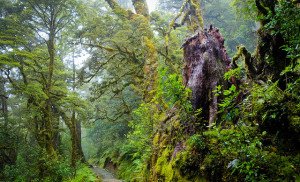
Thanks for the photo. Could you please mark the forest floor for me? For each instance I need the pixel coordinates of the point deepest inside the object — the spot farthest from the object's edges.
(105, 175)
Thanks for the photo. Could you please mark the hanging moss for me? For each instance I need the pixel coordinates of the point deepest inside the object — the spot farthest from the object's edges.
(197, 15)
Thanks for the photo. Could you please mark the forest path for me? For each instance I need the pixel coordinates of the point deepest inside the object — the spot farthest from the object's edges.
(105, 175)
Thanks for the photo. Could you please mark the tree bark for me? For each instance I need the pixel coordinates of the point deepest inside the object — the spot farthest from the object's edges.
(74, 126)
(48, 110)
(206, 61)
(3, 98)
(75, 129)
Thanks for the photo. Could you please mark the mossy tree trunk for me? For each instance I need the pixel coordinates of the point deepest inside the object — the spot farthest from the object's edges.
(75, 129)
(48, 121)
(74, 126)
(151, 59)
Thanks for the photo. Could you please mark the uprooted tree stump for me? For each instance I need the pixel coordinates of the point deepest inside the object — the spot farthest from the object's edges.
(206, 61)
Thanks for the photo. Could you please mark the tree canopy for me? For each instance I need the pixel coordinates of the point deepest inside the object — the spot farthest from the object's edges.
(192, 91)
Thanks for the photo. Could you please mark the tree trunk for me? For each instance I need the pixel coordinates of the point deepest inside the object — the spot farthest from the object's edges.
(48, 113)
(206, 61)
(75, 129)
(74, 126)
(49, 122)
(3, 99)
(56, 132)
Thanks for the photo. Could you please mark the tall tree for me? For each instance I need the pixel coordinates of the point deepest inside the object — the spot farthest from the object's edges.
(51, 18)
(47, 19)
(31, 44)
(70, 116)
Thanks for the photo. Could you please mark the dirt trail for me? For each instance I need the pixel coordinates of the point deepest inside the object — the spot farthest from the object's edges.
(105, 175)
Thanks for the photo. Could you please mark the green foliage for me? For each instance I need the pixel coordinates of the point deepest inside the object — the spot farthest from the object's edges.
(83, 173)
(171, 91)
(286, 22)
(168, 46)
(131, 171)
(34, 164)
(196, 141)
(246, 9)
(113, 115)
(164, 166)
(160, 137)
(142, 124)
(227, 15)
(228, 107)
(36, 88)
(260, 144)
(239, 153)
(262, 99)
(236, 73)
(235, 19)
(257, 142)
(274, 108)
(135, 154)
(22, 170)
(138, 148)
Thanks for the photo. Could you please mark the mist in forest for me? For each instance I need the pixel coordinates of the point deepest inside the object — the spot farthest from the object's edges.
(149, 90)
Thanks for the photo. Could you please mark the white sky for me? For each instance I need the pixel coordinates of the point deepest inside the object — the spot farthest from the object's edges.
(152, 4)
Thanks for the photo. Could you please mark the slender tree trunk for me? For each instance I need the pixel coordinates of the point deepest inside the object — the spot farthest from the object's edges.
(48, 119)
(3, 98)
(49, 108)
(75, 129)
(56, 133)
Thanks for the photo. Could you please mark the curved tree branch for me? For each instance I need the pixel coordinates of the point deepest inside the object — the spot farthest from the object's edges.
(118, 10)
(141, 7)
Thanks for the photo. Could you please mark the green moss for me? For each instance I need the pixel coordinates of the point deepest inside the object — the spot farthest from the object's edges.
(188, 164)
(184, 166)
(196, 5)
(163, 141)
(167, 168)
(156, 139)
(162, 160)
(168, 172)
(176, 124)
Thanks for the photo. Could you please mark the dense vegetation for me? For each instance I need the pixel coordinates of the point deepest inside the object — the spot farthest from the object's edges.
(100, 82)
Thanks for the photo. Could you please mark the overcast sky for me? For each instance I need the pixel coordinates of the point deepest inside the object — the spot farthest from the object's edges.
(151, 4)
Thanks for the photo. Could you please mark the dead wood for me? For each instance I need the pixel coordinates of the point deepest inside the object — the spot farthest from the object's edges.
(206, 61)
